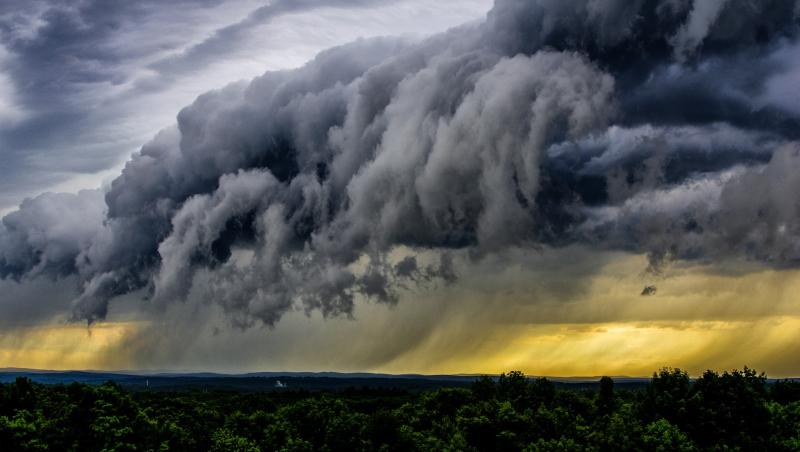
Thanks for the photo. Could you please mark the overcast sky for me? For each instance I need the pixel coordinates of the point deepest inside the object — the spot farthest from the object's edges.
(563, 187)
(83, 84)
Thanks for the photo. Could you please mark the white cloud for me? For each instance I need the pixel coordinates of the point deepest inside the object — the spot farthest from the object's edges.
(10, 113)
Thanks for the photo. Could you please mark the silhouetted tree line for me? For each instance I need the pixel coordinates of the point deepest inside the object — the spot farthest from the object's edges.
(730, 411)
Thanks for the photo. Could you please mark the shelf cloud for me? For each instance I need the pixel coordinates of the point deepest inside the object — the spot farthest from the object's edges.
(656, 127)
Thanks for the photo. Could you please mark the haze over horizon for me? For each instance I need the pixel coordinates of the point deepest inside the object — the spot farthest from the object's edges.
(568, 188)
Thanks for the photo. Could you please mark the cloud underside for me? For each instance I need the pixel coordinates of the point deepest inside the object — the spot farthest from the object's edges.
(654, 127)
(561, 312)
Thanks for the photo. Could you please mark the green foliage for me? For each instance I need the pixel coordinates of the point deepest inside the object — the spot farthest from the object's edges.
(223, 440)
(661, 436)
(735, 410)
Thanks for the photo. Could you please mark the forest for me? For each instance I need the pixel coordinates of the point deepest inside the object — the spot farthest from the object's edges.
(737, 410)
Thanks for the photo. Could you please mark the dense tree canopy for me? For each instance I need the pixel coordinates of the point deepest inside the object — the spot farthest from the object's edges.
(736, 410)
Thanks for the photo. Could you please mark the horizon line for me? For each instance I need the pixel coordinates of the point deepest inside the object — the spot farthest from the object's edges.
(365, 374)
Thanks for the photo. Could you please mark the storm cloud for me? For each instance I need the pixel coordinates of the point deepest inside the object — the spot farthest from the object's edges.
(655, 127)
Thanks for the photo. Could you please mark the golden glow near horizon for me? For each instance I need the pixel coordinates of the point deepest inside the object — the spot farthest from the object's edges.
(520, 317)
(639, 349)
(63, 346)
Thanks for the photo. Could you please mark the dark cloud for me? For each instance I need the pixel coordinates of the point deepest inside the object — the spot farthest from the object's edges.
(632, 125)
(47, 233)
(744, 212)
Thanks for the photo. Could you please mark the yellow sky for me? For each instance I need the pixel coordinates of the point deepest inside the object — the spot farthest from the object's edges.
(534, 316)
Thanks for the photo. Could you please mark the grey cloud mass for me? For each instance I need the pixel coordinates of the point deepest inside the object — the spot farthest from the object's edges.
(645, 126)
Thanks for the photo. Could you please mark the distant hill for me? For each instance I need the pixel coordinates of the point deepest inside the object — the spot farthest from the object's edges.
(279, 381)
(270, 381)
(262, 381)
